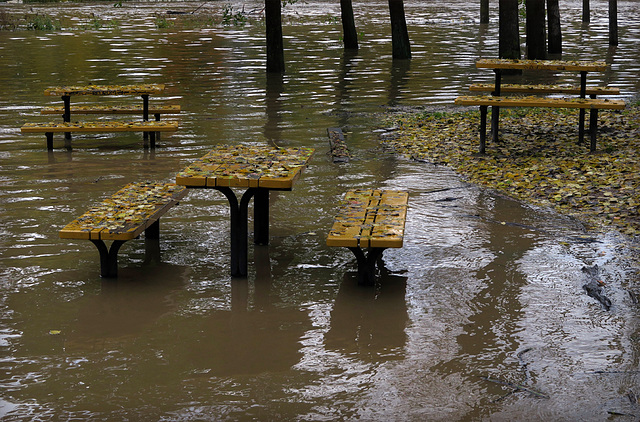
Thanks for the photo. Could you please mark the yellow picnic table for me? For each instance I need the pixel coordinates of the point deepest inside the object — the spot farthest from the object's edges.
(498, 65)
(144, 90)
(259, 169)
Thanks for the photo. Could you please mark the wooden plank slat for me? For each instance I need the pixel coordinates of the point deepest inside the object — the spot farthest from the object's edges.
(128, 109)
(104, 89)
(125, 214)
(370, 218)
(560, 65)
(101, 126)
(586, 103)
(545, 89)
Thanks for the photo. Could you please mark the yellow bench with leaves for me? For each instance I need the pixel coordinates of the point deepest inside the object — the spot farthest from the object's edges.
(50, 128)
(156, 110)
(592, 91)
(135, 208)
(372, 219)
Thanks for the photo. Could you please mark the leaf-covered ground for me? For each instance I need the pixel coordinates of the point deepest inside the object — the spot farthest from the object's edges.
(539, 160)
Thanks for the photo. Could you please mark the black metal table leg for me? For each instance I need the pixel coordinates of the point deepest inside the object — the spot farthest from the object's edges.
(483, 129)
(593, 128)
(367, 264)
(108, 257)
(495, 110)
(239, 229)
(581, 118)
(261, 217)
(145, 117)
(66, 115)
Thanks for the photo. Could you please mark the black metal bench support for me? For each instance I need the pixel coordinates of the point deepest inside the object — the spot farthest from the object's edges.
(109, 255)
(367, 264)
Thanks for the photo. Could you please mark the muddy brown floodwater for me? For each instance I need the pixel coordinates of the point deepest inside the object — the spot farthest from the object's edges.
(480, 316)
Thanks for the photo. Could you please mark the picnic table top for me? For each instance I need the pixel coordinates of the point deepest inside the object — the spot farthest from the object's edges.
(125, 214)
(68, 90)
(370, 218)
(246, 166)
(568, 65)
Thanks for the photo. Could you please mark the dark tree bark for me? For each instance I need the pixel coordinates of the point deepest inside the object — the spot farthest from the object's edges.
(399, 34)
(484, 11)
(348, 25)
(613, 22)
(275, 46)
(536, 39)
(586, 11)
(555, 31)
(509, 35)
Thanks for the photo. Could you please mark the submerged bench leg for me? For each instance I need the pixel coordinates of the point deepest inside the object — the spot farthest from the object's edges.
(152, 243)
(49, 136)
(108, 257)
(367, 264)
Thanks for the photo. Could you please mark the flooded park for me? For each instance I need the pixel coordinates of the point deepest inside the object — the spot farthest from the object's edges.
(481, 315)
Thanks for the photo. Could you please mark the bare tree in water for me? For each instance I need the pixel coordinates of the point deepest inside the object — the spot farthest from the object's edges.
(275, 46)
(509, 35)
(586, 11)
(484, 11)
(399, 34)
(555, 32)
(535, 28)
(350, 34)
(613, 22)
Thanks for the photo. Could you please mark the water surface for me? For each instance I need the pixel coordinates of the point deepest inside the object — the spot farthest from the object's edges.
(485, 289)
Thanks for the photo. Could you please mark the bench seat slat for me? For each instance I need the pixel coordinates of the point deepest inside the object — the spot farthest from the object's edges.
(100, 126)
(370, 218)
(125, 214)
(546, 89)
(128, 109)
(586, 103)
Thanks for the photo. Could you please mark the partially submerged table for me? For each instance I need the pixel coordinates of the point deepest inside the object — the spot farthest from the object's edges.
(67, 91)
(499, 65)
(258, 169)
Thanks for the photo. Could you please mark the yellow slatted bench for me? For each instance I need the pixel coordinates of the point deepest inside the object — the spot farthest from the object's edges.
(372, 219)
(593, 91)
(99, 126)
(156, 110)
(532, 101)
(135, 208)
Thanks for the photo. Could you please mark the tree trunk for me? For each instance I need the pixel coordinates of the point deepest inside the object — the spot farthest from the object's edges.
(555, 31)
(275, 46)
(586, 11)
(399, 34)
(348, 25)
(613, 22)
(508, 35)
(536, 39)
(484, 11)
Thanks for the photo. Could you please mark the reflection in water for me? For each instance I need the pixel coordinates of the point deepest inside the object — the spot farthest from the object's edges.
(399, 80)
(487, 344)
(274, 109)
(369, 323)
